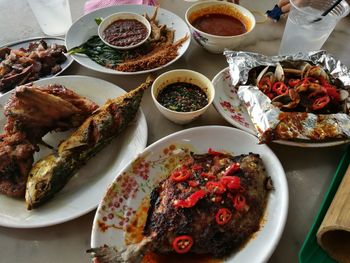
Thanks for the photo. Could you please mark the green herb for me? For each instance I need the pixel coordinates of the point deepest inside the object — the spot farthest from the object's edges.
(101, 53)
(98, 20)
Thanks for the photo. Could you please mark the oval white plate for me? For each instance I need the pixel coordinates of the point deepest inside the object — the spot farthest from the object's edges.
(85, 27)
(231, 108)
(49, 40)
(83, 192)
(135, 182)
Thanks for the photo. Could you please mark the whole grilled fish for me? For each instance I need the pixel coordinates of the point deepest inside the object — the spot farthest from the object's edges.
(50, 174)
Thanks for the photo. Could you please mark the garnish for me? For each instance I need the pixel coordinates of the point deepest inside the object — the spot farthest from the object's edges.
(182, 244)
(223, 216)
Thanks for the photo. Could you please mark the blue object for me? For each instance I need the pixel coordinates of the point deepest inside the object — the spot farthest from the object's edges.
(275, 13)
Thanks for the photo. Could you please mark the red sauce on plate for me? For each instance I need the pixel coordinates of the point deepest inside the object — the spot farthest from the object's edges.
(219, 24)
(125, 32)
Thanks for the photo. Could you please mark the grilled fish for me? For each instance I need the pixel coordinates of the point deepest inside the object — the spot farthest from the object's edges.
(210, 204)
(49, 175)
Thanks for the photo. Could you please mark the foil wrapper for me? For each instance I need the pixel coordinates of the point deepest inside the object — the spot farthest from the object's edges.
(273, 124)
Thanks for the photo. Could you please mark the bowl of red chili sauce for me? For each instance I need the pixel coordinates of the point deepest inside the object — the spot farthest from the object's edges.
(182, 95)
(124, 30)
(218, 25)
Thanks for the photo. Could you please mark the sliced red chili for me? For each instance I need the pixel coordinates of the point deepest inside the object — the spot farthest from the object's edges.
(212, 152)
(223, 216)
(193, 183)
(208, 175)
(232, 169)
(197, 167)
(180, 174)
(320, 103)
(294, 82)
(239, 202)
(265, 84)
(333, 93)
(182, 244)
(280, 88)
(231, 182)
(215, 187)
(191, 200)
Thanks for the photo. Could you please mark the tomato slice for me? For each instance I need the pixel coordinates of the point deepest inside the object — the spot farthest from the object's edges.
(180, 175)
(239, 202)
(320, 103)
(280, 88)
(223, 216)
(182, 244)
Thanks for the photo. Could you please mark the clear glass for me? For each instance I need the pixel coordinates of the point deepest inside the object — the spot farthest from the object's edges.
(53, 16)
(302, 33)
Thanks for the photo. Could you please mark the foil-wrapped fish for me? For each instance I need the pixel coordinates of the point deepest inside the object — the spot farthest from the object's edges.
(50, 174)
(296, 97)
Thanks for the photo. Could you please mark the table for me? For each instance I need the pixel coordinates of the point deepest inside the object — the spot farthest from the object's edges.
(309, 170)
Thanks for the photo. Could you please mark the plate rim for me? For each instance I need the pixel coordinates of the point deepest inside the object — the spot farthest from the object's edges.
(284, 193)
(127, 73)
(282, 142)
(86, 211)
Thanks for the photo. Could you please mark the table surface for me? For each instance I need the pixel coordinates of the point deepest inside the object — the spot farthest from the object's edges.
(308, 170)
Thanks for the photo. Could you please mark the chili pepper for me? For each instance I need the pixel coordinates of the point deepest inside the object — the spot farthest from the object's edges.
(333, 93)
(265, 84)
(182, 244)
(215, 187)
(191, 200)
(223, 216)
(212, 152)
(320, 103)
(239, 202)
(197, 167)
(232, 169)
(317, 93)
(270, 95)
(193, 183)
(180, 175)
(231, 182)
(208, 175)
(280, 88)
(294, 82)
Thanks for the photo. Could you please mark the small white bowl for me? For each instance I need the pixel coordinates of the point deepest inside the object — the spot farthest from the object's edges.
(214, 43)
(123, 15)
(187, 76)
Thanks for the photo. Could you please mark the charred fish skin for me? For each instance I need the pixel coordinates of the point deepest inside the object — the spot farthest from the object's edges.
(50, 175)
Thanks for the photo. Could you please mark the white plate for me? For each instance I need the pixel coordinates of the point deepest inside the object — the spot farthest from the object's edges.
(232, 109)
(85, 27)
(49, 40)
(125, 194)
(83, 191)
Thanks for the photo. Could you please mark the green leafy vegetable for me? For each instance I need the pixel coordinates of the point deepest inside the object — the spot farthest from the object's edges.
(98, 20)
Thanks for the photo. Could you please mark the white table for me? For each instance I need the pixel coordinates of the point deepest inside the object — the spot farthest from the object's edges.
(309, 170)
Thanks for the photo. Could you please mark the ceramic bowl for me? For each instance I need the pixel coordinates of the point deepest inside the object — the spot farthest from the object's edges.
(182, 75)
(123, 15)
(214, 43)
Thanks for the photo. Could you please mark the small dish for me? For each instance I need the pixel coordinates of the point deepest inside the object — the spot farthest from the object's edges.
(128, 22)
(182, 76)
(216, 43)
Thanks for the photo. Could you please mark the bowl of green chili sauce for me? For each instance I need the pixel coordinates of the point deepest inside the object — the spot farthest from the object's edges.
(182, 95)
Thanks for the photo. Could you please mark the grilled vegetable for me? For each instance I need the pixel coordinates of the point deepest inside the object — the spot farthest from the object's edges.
(49, 175)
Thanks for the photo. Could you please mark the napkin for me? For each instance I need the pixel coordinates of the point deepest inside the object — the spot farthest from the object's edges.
(92, 5)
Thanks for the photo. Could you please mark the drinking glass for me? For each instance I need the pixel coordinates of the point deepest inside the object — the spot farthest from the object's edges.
(53, 16)
(304, 30)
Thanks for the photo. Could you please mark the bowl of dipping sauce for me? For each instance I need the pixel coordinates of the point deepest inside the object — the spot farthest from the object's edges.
(218, 25)
(182, 95)
(124, 30)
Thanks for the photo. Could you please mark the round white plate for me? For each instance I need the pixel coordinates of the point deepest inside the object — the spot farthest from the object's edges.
(139, 177)
(85, 27)
(49, 40)
(233, 110)
(83, 192)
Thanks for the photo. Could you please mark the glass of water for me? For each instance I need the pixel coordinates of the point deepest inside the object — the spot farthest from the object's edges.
(53, 16)
(304, 30)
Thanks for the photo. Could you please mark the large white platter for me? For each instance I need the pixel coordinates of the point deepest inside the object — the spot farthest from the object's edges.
(230, 107)
(85, 27)
(83, 192)
(122, 199)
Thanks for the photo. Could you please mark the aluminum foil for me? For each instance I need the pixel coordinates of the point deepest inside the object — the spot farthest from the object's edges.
(272, 123)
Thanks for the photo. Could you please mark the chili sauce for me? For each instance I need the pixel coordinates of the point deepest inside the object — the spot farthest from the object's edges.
(182, 97)
(125, 32)
(219, 24)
